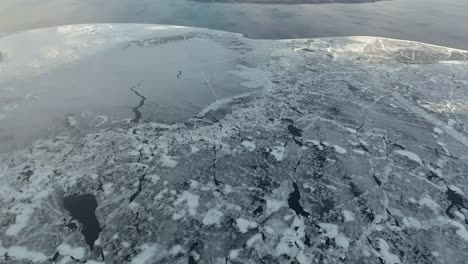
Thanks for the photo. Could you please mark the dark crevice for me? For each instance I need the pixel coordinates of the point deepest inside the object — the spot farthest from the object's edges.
(294, 201)
(136, 109)
(140, 187)
(307, 241)
(296, 110)
(297, 165)
(217, 183)
(55, 257)
(379, 182)
(82, 208)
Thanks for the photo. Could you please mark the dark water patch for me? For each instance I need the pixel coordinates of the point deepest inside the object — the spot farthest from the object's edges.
(82, 208)
(456, 200)
(258, 211)
(352, 88)
(294, 201)
(355, 189)
(289, 120)
(433, 177)
(26, 174)
(307, 241)
(297, 132)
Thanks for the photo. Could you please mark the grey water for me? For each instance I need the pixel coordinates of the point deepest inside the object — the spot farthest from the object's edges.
(441, 22)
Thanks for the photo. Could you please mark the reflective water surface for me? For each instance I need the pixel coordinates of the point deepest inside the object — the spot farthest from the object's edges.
(431, 21)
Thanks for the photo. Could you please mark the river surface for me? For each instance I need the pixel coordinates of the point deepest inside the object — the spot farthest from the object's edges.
(442, 22)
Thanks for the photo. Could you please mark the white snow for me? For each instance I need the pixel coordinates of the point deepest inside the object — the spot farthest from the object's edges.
(438, 130)
(387, 256)
(23, 253)
(412, 222)
(154, 178)
(339, 149)
(160, 194)
(74, 252)
(410, 155)
(331, 231)
(21, 220)
(359, 151)
(291, 242)
(427, 201)
(176, 250)
(253, 239)
(274, 205)
(456, 189)
(212, 217)
(233, 254)
(149, 254)
(342, 241)
(101, 119)
(71, 120)
(108, 188)
(190, 199)
(278, 152)
(348, 216)
(249, 145)
(244, 225)
(461, 229)
(168, 161)
(227, 189)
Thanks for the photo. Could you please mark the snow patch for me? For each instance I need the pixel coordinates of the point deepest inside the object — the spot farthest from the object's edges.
(331, 231)
(233, 254)
(348, 216)
(278, 152)
(253, 239)
(385, 253)
(22, 253)
(410, 155)
(21, 220)
(190, 199)
(249, 145)
(291, 242)
(74, 252)
(359, 151)
(428, 202)
(149, 254)
(212, 217)
(244, 225)
(339, 149)
(176, 250)
(168, 161)
(274, 205)
(438, 130)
